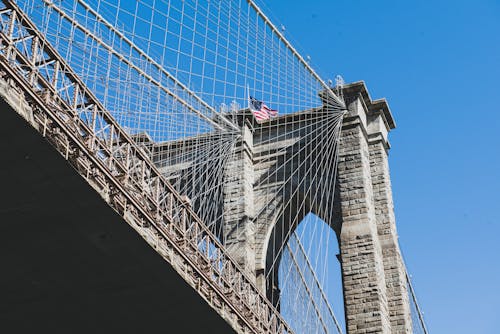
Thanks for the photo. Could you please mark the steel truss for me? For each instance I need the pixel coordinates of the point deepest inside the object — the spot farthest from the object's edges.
(72, 119)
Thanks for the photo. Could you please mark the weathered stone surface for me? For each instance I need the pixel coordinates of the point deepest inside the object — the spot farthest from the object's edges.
(361, 254)
(239, 228)
(268, 190)
(364, 152)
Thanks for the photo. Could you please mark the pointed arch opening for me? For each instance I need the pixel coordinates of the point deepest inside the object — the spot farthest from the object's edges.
(303, 275)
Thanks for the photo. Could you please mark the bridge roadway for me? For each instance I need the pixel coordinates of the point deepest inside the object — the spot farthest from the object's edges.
(69, 264)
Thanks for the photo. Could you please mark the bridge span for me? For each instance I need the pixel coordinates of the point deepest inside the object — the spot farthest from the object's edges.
(78, 273)
(131, 204)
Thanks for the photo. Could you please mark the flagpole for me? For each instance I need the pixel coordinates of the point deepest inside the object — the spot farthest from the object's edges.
(248, 96)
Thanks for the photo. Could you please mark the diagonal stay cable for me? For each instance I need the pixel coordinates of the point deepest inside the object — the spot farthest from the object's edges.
(316, 281)
(64, 15)
(337, 100)
(308, 290)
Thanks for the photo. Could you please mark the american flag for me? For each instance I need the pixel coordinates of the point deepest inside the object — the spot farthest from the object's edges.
(260, 111)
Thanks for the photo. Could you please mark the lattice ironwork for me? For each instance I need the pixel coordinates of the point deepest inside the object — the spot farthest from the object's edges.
(173, 148)
(82, 130)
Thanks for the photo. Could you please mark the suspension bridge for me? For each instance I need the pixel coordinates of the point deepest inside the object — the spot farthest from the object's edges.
(180, 161)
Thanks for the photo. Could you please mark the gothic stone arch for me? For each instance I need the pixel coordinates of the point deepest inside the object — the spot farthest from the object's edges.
(375, 293)
(374, 284)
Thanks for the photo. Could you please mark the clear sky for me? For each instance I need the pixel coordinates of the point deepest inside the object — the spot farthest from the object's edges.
(438, 64)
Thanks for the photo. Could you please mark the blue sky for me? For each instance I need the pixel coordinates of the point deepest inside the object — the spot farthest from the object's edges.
(438, 64)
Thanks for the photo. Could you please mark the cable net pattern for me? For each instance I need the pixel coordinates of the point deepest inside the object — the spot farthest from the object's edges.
(297, 271)
(165, 67)
(177, 76)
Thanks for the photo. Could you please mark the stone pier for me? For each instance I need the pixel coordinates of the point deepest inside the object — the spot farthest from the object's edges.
(257, 209)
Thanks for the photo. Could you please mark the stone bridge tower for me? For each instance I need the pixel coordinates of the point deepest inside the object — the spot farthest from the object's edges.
(373, 274)
(375, 290)
(256, 210)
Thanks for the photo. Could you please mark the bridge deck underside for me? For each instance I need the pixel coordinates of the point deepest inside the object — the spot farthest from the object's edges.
(69, 263)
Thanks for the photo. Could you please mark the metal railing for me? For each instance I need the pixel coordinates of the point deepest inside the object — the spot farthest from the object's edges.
(72, 119)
